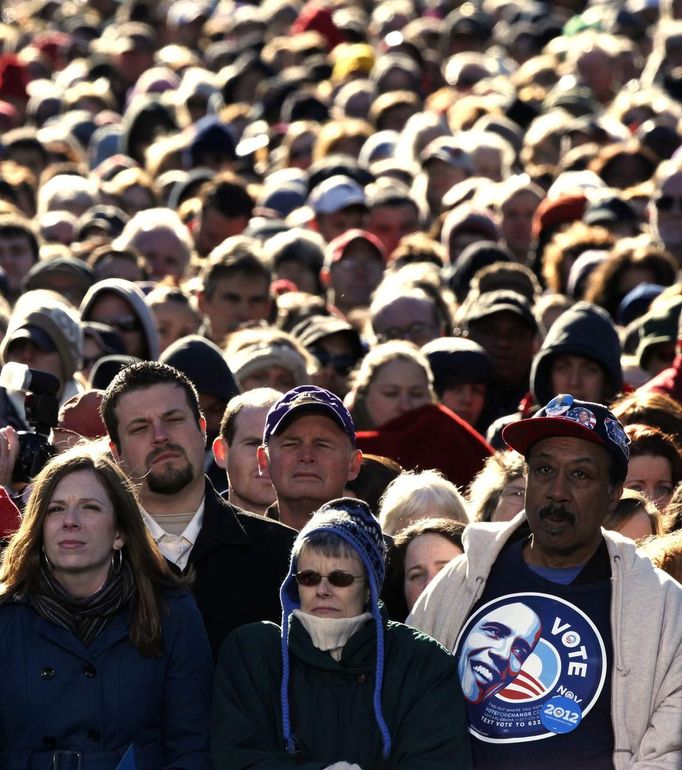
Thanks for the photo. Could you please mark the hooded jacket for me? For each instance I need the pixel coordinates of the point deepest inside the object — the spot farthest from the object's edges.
(132, 294)
(646, 617)
(583, 330)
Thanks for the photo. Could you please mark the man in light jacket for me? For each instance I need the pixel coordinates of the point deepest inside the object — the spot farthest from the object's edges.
(568, 641)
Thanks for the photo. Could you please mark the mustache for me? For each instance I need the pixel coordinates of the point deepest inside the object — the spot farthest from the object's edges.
(162, 450)
(557, 512)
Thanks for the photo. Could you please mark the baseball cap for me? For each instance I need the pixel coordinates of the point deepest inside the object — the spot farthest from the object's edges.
(444, 148)
(501, 301)
(567, 416)
(336, 193)
(336, 249)
(306, 399)
(39, 337)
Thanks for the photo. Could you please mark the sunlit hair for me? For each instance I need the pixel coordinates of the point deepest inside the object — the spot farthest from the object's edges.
(631, 503)
(413, 496)
(665, 552)
(486, 489)
(20, 564)
(385, 353)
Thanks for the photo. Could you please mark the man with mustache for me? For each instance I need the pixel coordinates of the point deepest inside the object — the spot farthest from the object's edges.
(158, 433)
(550, 614)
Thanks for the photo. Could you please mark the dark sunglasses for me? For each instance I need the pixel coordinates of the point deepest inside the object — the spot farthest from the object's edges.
(338, 577)
(125, 324)
(666, 202)
(340, 364)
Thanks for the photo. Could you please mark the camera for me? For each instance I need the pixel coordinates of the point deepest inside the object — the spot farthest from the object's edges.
(42, 408)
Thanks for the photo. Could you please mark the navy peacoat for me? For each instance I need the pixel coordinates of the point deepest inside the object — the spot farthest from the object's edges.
(59, 696)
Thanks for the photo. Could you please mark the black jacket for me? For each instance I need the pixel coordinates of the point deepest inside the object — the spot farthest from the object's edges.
(239, 562)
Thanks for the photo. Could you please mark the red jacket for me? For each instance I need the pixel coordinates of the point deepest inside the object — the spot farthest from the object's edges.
(668, 382)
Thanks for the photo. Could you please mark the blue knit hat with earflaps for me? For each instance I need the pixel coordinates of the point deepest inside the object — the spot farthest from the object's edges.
(352, 521)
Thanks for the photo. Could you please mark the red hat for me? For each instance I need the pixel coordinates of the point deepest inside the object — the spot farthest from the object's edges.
(14, 77)
(316, 17)
(337, 248)
(558, 211)
(81, 415)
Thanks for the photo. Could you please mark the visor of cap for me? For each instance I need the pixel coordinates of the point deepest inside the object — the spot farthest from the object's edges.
(40, 338)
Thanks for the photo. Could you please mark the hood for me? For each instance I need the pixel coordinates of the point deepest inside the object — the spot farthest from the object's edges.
(133, 295)
(583, 330)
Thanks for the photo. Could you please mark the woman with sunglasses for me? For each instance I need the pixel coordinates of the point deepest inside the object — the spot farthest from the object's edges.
(338, 687)
(103, 653)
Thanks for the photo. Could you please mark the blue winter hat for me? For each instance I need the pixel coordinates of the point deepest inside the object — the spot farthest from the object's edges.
(353, 522)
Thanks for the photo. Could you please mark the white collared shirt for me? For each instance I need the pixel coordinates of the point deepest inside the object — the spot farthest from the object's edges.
(176, 548)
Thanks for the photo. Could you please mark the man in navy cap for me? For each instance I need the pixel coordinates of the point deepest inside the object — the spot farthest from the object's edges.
(308, 452)
(571, 635)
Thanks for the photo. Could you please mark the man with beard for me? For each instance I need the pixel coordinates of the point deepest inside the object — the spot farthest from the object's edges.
(567, 640)
(158, 433)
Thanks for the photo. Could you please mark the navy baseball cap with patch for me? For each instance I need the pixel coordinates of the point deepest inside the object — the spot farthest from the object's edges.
(567, 416)
(307, 399)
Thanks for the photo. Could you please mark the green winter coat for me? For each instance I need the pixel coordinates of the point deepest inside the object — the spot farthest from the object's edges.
(332, 714)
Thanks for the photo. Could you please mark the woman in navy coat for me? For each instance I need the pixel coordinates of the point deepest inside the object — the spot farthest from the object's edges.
(103, 654)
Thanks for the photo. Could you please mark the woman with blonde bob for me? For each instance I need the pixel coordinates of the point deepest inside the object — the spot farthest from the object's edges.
(414, 496)
(104, 651)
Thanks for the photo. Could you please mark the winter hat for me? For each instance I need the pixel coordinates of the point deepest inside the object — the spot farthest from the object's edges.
(659, 326)
(81, 416)
(261, 355)
(456, 360)
(473, 258)
(60, 324)
(203, 362)
(353, 522)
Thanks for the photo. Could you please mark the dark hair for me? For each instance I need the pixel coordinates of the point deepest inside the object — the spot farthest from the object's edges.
(645, 441)
(655, 409)
(376, 473)
(139, 376)
(228, 195)
(20, 570)
(395, 575)
(603, 284)
(238, 255)
(14, 225)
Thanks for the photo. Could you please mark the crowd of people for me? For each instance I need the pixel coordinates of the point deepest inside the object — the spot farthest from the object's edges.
(341, 389)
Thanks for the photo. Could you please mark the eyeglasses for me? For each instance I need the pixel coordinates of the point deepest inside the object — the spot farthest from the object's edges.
(666, 202)
(415, 329)
(340, 364)
(338, 577)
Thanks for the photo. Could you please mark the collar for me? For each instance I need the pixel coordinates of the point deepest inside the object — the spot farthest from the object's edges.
(176, 548)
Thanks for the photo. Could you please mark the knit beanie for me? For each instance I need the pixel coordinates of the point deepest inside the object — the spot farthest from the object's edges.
(253, 358)
(353, 522)
(61, 325)
(203, 362)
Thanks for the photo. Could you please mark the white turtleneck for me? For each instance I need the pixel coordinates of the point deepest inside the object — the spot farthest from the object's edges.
(331, 634)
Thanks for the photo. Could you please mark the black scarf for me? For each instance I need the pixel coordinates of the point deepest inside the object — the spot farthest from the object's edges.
(84, 617)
